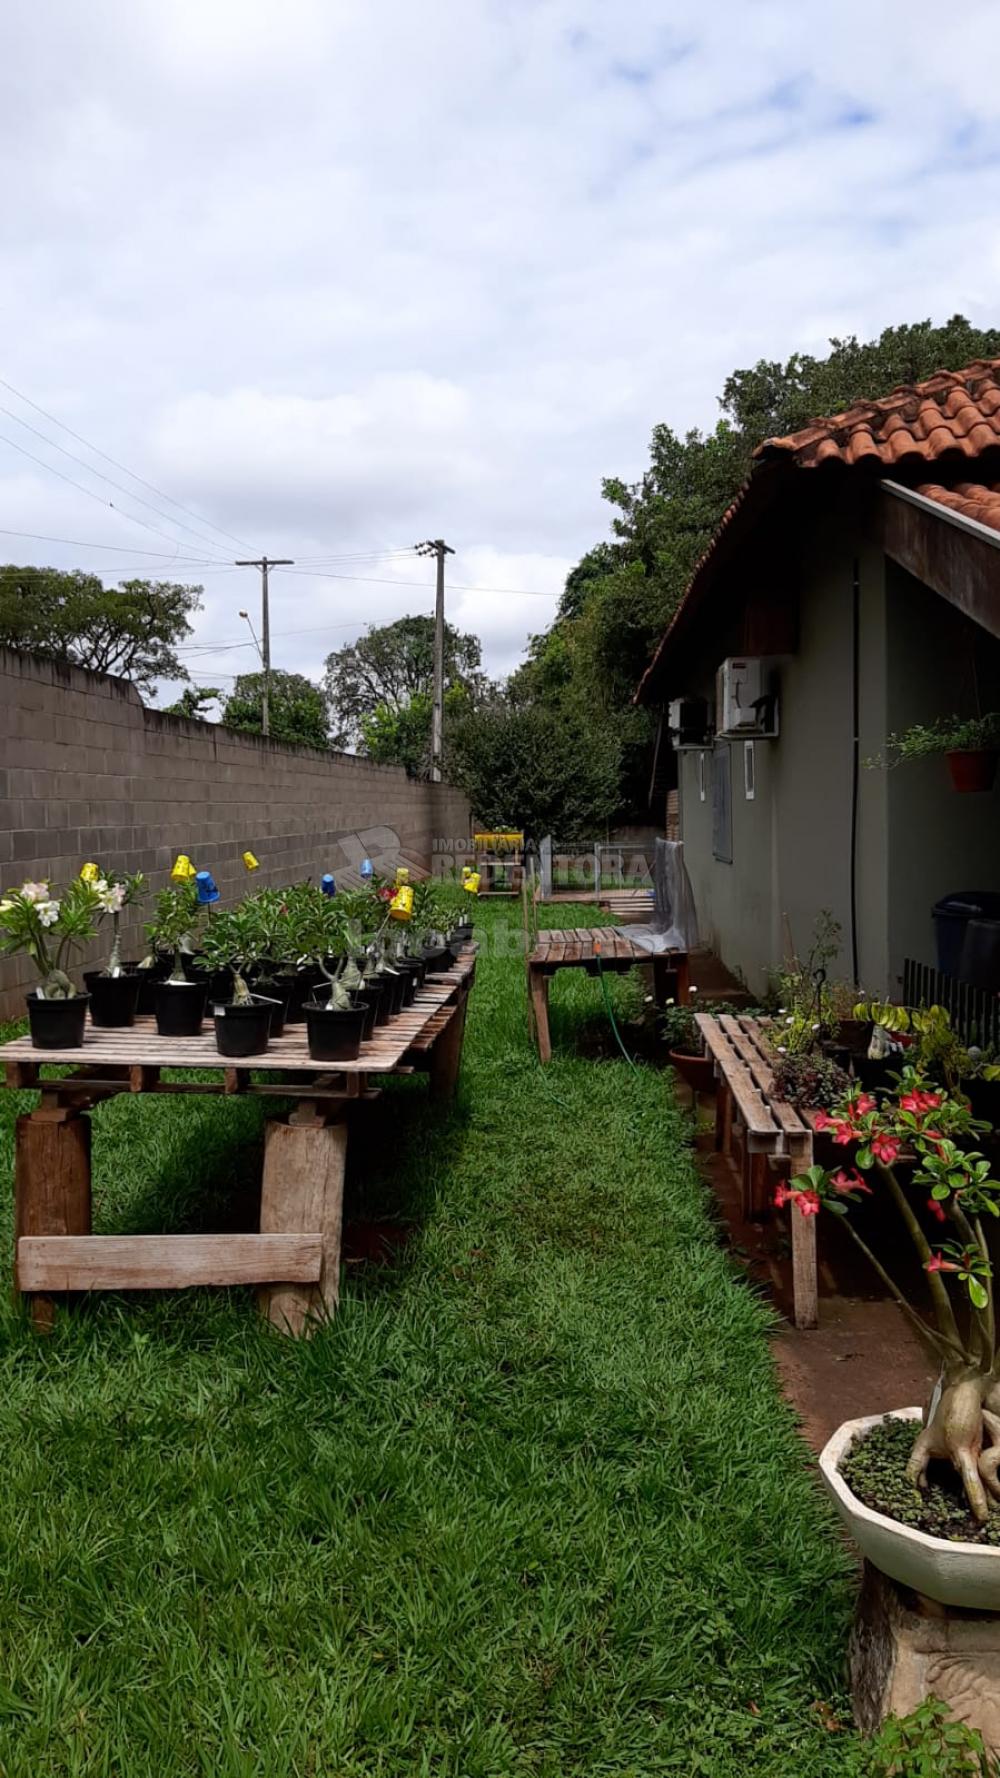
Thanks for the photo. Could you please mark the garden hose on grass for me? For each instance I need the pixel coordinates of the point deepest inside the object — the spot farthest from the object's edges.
(610, 1009)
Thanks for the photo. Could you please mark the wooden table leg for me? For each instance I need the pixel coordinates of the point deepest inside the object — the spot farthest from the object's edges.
(303, 1193)
(446, 1055)
(683, 969)
(51, 1185)
(538, 983)
(805, 1285)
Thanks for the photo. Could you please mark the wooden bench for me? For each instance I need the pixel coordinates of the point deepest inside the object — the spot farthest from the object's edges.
(595, 948)
(776, 1138)
(294, 1257)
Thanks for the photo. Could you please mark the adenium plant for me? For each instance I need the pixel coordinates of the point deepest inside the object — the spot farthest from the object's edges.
(943, 1199)
(114, 893)
(48, 928)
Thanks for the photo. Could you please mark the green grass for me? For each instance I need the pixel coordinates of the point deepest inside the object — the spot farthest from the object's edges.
(531, 1504)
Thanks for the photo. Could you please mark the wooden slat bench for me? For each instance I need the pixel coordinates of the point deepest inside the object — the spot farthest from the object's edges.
(594, 948)
(776, 1137)
(294, 1258)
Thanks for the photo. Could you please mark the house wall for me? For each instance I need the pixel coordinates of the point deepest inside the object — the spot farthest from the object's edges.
(791, 844)
(86, 772)
(940, 840)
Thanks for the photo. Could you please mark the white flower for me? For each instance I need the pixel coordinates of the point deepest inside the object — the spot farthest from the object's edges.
(34, 892)
(5, 907)
(814, 1027)
(790, 1019)
(692, 990)
(111, 896)
(48, 912)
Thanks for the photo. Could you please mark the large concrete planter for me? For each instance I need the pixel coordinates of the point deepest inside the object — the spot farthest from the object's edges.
(962, 1574)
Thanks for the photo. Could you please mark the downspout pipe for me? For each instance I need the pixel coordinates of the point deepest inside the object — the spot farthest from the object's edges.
(855, 756)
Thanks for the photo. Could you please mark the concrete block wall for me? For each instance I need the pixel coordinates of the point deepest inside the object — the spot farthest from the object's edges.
(87, 772)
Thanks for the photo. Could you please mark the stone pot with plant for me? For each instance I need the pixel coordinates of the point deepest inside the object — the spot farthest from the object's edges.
(970, 744)
(179, 1003)
(48, 928)
(114, 990)
(917, 1145)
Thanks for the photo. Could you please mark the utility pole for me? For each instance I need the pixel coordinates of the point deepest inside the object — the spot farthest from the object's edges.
(437, 547)
(265, 629)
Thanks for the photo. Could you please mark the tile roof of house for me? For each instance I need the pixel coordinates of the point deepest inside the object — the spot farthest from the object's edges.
(973, 500)
(952, 411)
(953, 414)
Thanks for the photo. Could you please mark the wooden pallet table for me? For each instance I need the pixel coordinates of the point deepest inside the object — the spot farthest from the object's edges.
(294, 1257)
(775, 1137)
(595, 948)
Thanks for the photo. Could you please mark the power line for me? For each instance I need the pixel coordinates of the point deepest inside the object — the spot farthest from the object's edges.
(101, 501)
(454, 586)
(206, 542)
(124, 549)
(116, 465)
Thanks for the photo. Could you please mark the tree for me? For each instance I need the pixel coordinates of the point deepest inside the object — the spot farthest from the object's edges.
(193, 701)
(296, 709)
(543, 771)
(390, 666)
(131, 630)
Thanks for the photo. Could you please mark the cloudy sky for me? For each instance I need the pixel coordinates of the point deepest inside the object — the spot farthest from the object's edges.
(338, 275)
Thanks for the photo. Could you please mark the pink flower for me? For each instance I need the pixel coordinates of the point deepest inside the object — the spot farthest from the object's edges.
(931, 1101)
(848, 1182)
(864, 1103)
(845, 1133)
(911, 1102)
(886, 1149)
(937, 1263)
(808, 1203)
(782, 1196)
(823, 1121)
(936, 1209)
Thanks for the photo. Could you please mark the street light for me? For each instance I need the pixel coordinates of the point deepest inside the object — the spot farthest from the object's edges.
(246, 616)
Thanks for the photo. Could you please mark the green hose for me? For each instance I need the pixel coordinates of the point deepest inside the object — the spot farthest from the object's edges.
(611, 1016)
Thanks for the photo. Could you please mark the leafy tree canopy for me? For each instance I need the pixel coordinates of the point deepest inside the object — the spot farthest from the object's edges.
(193, 701)
(389, 667)
(544, 771)
(297, 711)
(131, 630)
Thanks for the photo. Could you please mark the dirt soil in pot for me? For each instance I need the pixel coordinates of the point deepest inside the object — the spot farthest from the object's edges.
(875, 1470)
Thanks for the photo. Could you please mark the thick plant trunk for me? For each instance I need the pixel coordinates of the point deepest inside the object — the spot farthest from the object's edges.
(963, 1430)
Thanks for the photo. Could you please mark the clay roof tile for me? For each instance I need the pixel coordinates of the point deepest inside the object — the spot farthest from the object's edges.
(950, 411)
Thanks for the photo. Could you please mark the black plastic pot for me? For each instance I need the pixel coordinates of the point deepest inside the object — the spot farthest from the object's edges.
(113, 998)
(217, 982)
(333, 1036)
(462, 933)
(149, 981)
(57, 1024)
(396, 989)
(370, 995)
(180, 1008)
(438, 958)
(306, 980)
(412, 975)
(243, 1030)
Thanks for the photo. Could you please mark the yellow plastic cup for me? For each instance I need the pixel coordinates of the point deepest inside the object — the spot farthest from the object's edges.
(183, 869)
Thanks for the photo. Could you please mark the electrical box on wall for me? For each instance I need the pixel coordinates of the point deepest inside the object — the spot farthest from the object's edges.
(687, 720)
(746, 697)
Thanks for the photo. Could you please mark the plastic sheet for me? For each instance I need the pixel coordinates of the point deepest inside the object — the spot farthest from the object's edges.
(674, 926)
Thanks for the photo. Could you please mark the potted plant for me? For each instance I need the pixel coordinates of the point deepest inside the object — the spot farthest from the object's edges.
(179, 1003)
(970, 744)
(49, 928)
(686, 1048)
(231, 943)
(114, 990)
(928, 1518)
(810, 1080)
(335, 1016)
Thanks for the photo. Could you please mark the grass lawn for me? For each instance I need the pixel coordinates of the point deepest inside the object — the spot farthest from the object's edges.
(530, 1505)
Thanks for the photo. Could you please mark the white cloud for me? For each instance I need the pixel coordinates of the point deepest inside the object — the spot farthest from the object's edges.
(341, 277)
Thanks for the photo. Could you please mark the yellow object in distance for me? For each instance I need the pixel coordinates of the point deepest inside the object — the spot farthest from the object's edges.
(91, 873)
(471, 883)
(401, 905)
(250, 861)
(183, 869)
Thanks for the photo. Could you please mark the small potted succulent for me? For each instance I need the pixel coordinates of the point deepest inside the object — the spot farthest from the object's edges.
(179, 1003)
(231, 943)
(929, 1515)
(114, 990)
(49, 928)
(335, 1017)
(970, 744)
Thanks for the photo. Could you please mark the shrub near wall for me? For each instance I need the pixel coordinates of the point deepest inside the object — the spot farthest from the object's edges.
(86, 771)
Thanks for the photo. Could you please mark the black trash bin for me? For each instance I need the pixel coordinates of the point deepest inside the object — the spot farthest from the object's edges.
(951, 917)
(980, 960)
